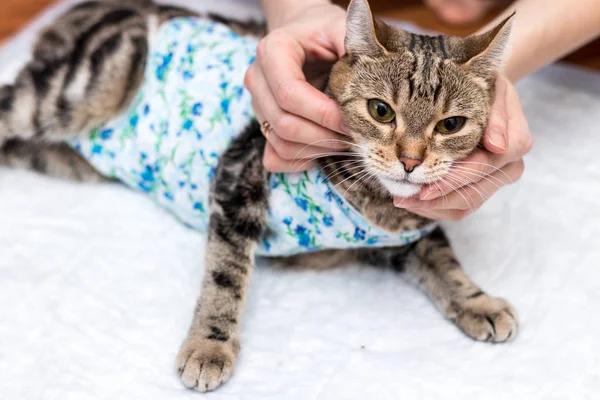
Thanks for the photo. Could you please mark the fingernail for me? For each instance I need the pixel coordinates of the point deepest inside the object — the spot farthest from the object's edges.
(404, 202)
(341, 148)
(430, 194)
(497, 138)
(336, 145)
(398, 202)
(344, 128)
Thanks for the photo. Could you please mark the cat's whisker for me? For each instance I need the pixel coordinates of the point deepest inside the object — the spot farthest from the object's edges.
(494, 168)
(483, 176)
(460, 184)
(471, 162)
(462, 181)
(350, 177)
(364, 173)
(330, 154)
(321, 155)
(457, 190)
(377, 159)
(327, 140)
(477, 174)
(345, 164)
(362, 178)
(364, 181)
(465, 183)
(370, 177)
(480, 174)
(444, 197)
(339, 170)
(337, 141)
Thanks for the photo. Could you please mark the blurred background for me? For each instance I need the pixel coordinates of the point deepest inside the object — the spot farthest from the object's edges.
(14, 14)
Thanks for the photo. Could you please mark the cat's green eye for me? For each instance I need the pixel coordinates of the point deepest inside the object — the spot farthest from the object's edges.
(381, 111)
(450, 125)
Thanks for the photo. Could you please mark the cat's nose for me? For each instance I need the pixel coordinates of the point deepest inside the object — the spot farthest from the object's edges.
(409, 164)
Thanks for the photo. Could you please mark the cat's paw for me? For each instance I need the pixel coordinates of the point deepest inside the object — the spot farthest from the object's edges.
(485, 318)
(205, 364)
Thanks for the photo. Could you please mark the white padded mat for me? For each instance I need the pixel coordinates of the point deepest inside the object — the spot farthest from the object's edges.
(97, 287)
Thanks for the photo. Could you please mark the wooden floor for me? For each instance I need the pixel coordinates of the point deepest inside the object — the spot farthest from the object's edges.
(16, 13)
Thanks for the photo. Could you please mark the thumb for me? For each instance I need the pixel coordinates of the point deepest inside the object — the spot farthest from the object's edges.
(495, 137)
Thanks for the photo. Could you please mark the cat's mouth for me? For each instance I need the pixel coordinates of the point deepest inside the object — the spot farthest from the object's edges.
(400, 187)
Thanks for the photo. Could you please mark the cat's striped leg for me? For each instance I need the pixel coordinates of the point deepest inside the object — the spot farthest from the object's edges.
(54, 159)
(239, 202)
(432, 264)
(84, 70)
(438, 272)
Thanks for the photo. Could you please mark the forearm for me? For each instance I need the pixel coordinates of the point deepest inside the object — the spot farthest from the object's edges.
(545, 31)
(276, 10)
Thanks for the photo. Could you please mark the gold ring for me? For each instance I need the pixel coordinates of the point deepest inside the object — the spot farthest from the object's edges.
(265, 127)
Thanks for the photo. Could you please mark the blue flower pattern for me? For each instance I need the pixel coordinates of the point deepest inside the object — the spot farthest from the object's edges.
(191, 105)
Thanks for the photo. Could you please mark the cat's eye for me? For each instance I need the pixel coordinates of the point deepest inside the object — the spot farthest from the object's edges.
(381, 111)
(450, 125)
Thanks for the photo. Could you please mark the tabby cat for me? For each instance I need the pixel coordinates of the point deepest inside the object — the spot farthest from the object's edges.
(413, 105)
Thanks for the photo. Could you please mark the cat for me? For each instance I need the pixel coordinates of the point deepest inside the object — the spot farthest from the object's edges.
(413, 105)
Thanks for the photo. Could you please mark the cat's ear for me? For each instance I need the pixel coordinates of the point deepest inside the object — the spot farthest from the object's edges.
(485, 54)
(361, 36)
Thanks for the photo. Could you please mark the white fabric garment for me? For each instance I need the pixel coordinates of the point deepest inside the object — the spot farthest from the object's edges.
(98, 284)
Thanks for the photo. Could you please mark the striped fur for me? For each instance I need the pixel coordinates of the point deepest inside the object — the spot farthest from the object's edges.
(88, 65)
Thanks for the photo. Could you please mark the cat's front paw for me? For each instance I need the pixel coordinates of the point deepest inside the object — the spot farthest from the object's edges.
(205, 364)
(485, 318)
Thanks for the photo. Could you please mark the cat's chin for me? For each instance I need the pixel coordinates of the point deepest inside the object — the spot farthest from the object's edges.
(400, 188)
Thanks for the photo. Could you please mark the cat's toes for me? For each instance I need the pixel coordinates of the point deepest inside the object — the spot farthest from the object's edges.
(486, 318)
(205, 364)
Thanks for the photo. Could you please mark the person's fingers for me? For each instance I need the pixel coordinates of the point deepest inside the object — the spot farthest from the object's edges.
(440, 215)
(291, 157)
(475, 168)
(281, 58)
(507, 131)
(291, 150)
(295, 129)
(467, 198)
(521, 139)
(461, 11)
(431, 214)
(273, 163)
(288, 126)
(495, 138)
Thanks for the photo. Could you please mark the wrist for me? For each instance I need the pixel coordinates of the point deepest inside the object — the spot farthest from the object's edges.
(277, 12)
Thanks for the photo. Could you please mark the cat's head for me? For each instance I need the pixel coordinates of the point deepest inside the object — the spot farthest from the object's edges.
(414, 104)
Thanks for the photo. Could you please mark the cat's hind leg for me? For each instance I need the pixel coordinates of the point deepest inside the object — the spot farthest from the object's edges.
(432, 264)
(54, 159)
(85, 69)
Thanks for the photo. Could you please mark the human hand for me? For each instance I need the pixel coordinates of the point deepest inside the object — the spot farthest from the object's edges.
(461, 12)
(471, 182)
(304, 121)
